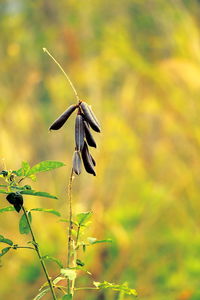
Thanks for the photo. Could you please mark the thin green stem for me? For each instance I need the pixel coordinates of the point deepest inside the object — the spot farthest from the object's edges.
(85, 288)
(70, 226)
(22, 247)
(37, 249)
(69, 80)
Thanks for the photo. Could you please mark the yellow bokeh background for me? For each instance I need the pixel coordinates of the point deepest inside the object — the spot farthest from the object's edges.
(138, 64)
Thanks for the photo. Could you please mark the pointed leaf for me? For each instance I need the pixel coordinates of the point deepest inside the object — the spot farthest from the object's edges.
(5, 240)
(94, 241)
(39, 194)
(82, 218)
(51, 258)
(48, 210)
(8, 208)
(23, 224)
(116, 287)
(42, 293)
(45, 166)
(4, 192)
(4, 251)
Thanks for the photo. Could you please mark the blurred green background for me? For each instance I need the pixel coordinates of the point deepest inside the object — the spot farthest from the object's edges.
(138, 64)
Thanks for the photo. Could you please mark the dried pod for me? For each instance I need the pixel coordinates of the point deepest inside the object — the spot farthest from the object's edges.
(77, 163)
(87, 161)
(79, 132)
(92, 113)
(16, 199)
(89, 117)
(90, 140)
(93, 161)
(63, 118)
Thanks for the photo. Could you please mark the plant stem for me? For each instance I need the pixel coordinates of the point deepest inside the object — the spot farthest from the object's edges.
(35, 244)
(69, 80)
(70, 226)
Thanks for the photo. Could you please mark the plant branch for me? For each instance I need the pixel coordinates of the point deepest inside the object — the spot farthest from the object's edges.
(69, 80)
(70, 225)
(39, 255)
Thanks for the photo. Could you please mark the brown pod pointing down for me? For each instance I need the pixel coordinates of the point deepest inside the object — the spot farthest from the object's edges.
(90, 140)
(77, 163)
(89, 117)
(87, 161)
(60, 121)
(79, 133)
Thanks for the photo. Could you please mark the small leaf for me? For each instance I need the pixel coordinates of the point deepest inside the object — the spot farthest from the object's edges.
(6, 241)
(4, 251)
(39, 194)
(48, 210)
(116, 287)
(45, 166)
(25, 168)
(82, 218)
(68, 273)
(42, 293)
(23, 224)
(57, 261)
(57, 279)
(8, 208)
(93, 241)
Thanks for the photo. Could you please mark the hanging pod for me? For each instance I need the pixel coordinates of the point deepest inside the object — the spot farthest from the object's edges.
(90, 140)
(90, 117)
(93, 161)
(16, 200)
(79, 132)
(77, 163)
(87, 161)
(60, 121)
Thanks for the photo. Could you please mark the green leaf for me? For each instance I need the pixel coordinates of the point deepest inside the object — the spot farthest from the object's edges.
(6, 241)
(8, 208)
(67, 297)
(57, 261)
(68, 273)
(82, 218)
(48, 210)
(45, 166)
(39, 194)
(23, 224)
(25, 167)
(4, 192)
(42, 293)
(116, 287)
(4, 251)
(94, 241)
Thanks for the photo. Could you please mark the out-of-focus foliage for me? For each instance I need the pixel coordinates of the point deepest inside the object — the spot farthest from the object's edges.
(138, 64)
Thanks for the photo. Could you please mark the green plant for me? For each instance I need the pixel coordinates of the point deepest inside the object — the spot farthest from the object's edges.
(77, 224)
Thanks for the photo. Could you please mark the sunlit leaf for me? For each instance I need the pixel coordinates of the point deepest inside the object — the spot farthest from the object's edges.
(57, 261)
(116, 287)
(82, 218)
(23, 224)
(93, 241)
(5, 240)
(42, 293)
(4, 192)
(48, 210)
(68, 273)
(45, 166)
(39, 194)
(8, 208)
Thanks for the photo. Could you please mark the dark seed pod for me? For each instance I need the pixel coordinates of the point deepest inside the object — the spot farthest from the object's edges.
(89, 117)
(77, 163)
(87, 161)
(63, 118)
(16, 199)
(79, 133)
(4, 173)
(93, 161)
(90, 140)
(92, 113)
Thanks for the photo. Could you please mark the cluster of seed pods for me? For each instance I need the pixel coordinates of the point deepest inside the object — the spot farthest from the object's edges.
(85, 120)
